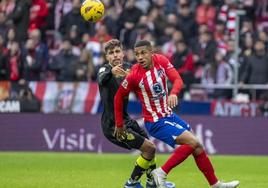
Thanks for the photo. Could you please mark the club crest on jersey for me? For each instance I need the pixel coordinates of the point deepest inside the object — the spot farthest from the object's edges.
(125, 84)
(157, 88)
(160, 72)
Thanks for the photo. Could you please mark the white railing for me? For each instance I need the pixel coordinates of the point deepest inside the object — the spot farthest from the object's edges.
(234, 87)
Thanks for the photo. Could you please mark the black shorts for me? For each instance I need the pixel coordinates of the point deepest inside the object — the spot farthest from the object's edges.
(135, 138)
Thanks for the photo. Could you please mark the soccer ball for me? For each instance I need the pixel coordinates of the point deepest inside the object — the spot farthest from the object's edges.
(92, 10)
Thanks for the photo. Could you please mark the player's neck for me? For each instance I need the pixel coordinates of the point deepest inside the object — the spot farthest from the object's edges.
(149, 66)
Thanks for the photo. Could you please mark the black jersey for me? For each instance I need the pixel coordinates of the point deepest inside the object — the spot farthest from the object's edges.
(108, 86)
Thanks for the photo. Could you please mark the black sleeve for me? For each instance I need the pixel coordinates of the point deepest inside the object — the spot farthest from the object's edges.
(104, 74)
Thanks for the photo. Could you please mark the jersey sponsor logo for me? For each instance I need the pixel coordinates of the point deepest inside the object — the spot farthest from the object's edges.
(158, 91)
(125, 84)
(157, 88)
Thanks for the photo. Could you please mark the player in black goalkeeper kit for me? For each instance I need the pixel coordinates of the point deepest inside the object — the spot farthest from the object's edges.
(110, 76)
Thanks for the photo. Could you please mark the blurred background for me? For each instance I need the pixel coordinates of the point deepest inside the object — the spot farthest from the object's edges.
(49, 59)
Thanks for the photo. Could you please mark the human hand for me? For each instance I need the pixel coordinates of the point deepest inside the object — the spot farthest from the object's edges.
(172, 100)
(120, 133)
(118, 71)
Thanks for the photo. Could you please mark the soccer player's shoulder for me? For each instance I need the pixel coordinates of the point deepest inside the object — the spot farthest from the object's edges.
(161, 59)
(135, 68)
(104, 68)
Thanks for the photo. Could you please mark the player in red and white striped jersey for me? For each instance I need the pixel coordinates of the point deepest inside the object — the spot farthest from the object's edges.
(148, 79)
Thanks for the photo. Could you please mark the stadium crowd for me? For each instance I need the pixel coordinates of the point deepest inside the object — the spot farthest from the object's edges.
(48, 40)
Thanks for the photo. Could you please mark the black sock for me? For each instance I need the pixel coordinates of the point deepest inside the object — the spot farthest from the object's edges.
(149, 170)
(140, 167)
(137, 172)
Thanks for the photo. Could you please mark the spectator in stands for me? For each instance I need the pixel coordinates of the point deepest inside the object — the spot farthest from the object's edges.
(33, 62)
(50, 25)
(144, 5)
(262, 35)
(73, 18)
(38, 50)
(256, 71)
(38, 15)
(219, 31)
(183, 62)
(112, 11)
(28, 102)
(3, 25)
(75, 39)
(20, 18)
(247, 51)
(186, 21)
(62, 7)
(127, 21)
(261, 13)
(169, 47)
(3, 60)
(205, 48)
(63, 63)
(206, 14)
(95, 44)
(7, 6)
(73, 35)
(157, 21)
(138, 34)
(247, 26)
(10, 37)
(230, 53)
(218, 72)
(14, 62)
(204, 51)
(84, 69)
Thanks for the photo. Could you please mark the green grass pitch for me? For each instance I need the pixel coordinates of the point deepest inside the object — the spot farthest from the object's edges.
(87, 170)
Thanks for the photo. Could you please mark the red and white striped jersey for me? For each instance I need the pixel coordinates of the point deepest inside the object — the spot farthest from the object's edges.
(151, 87)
